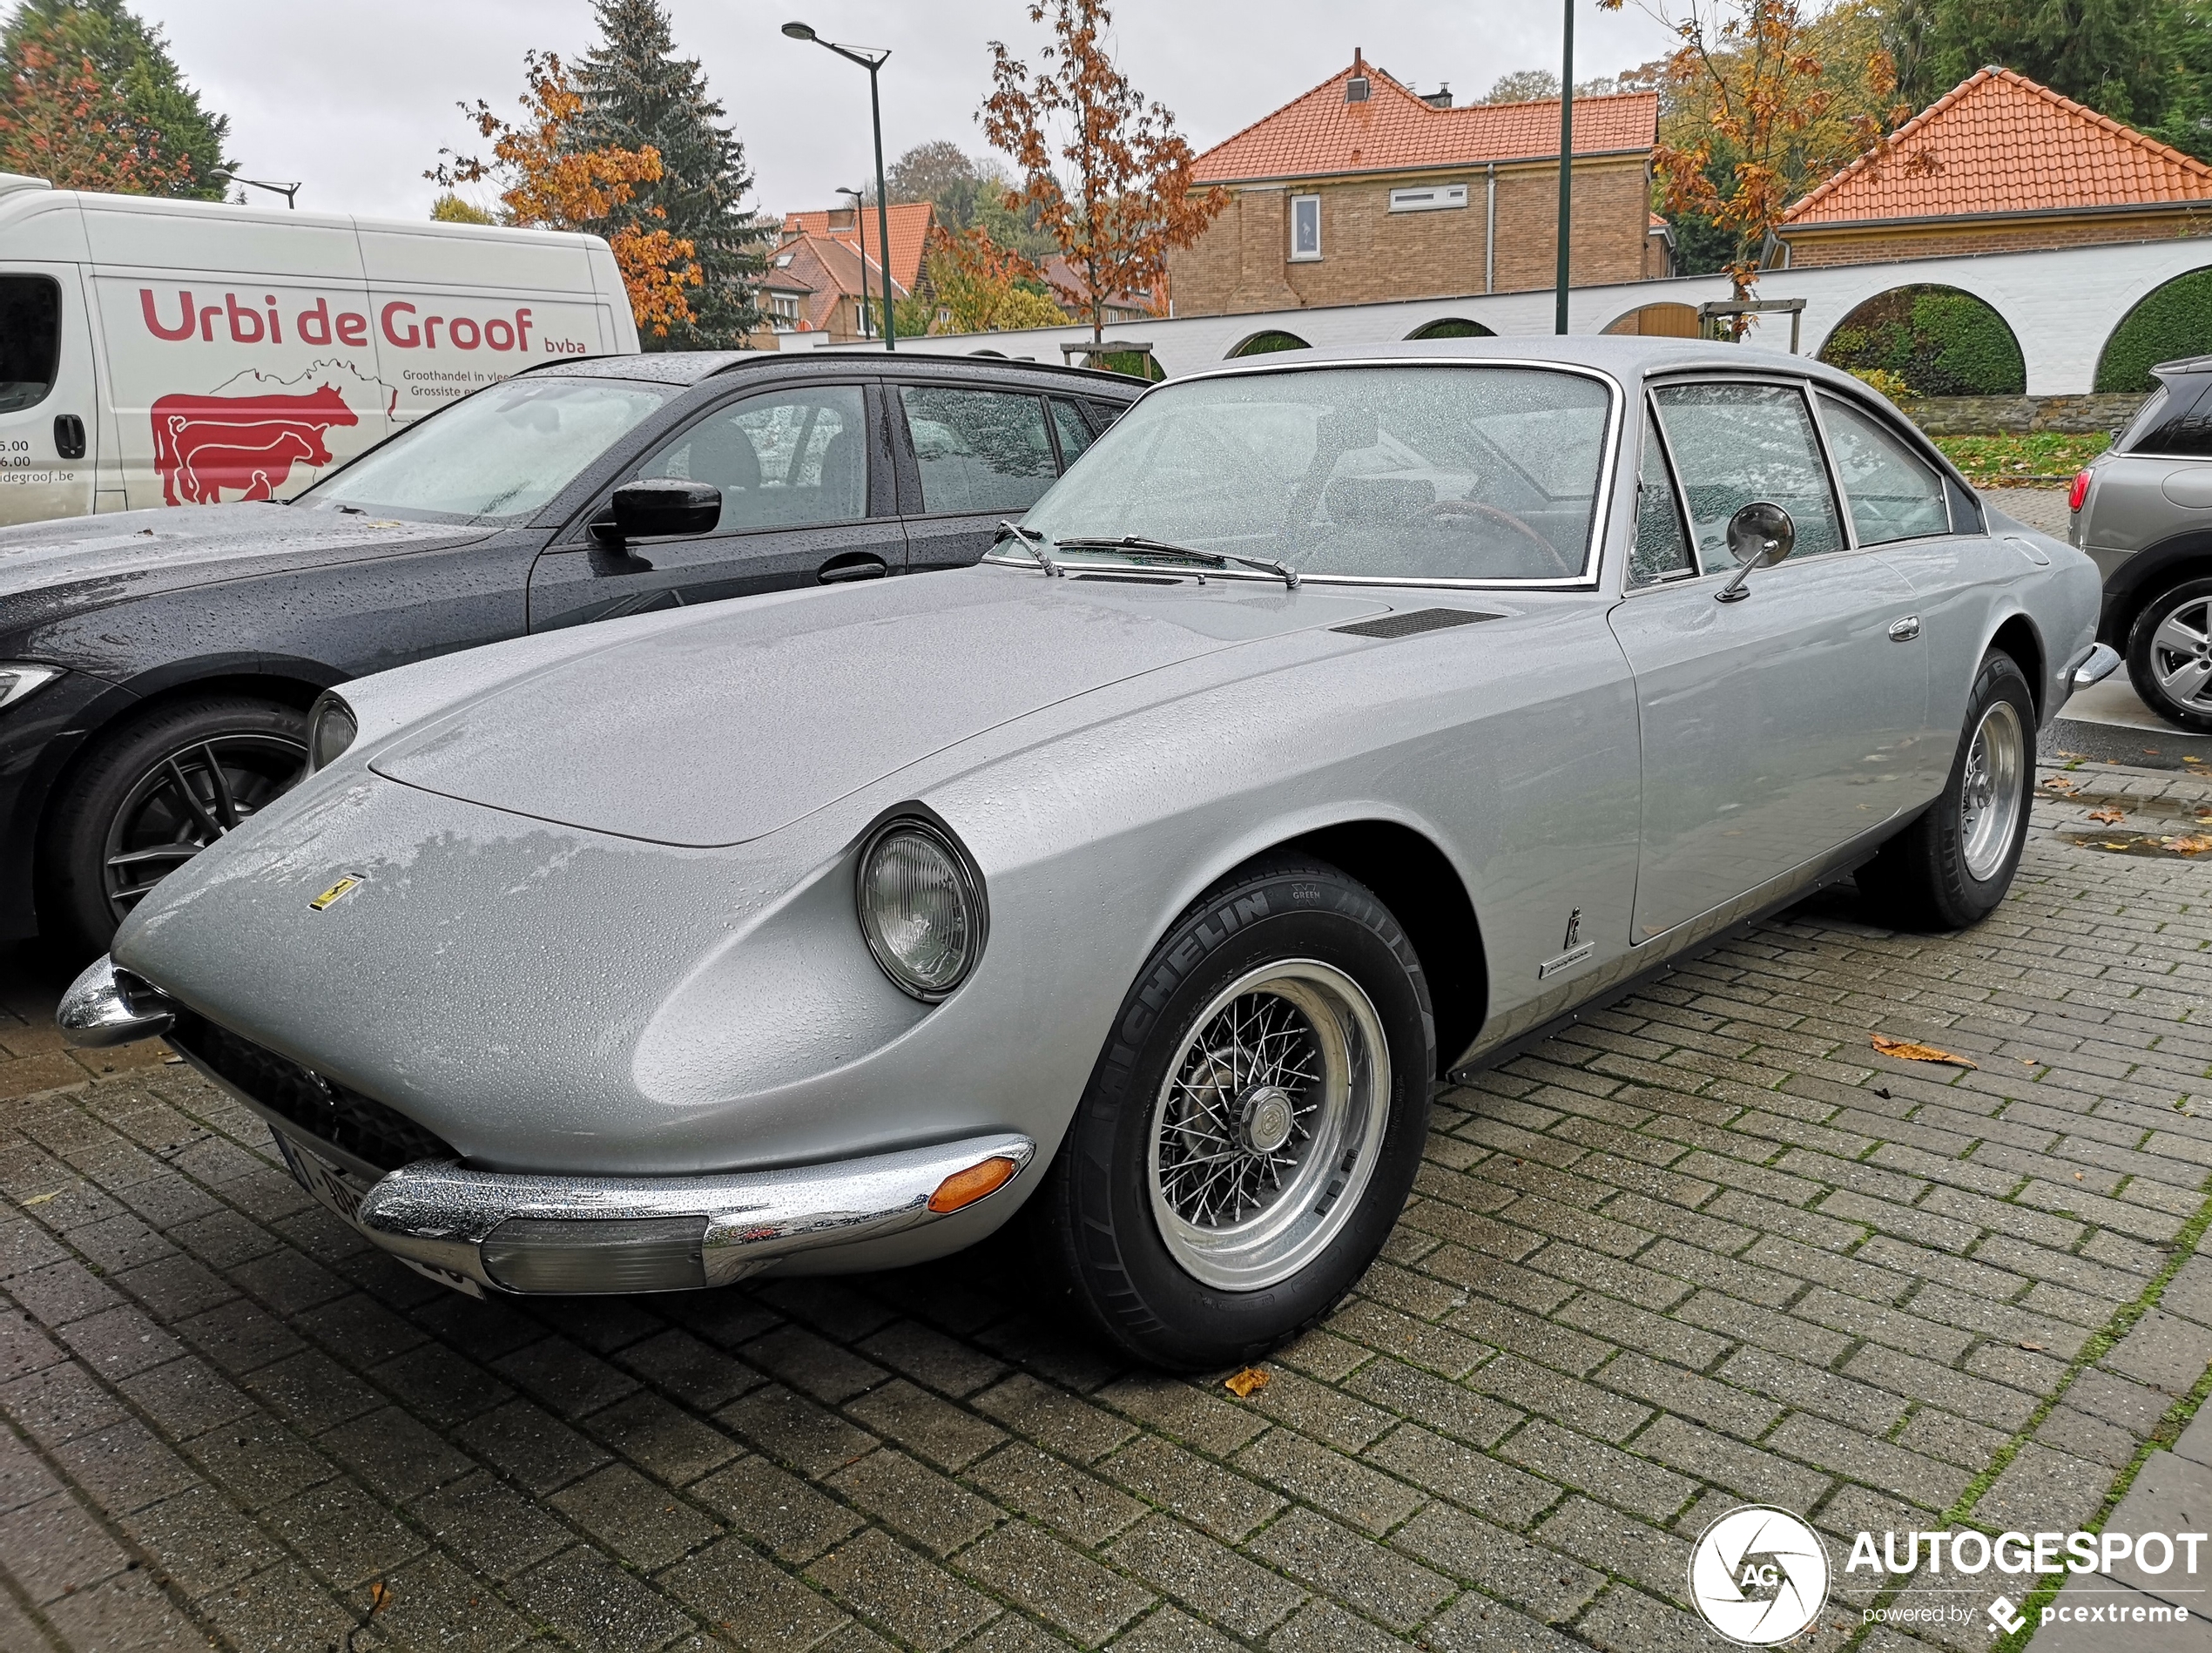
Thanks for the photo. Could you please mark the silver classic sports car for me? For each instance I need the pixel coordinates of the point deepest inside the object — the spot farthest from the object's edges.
(1336, 723)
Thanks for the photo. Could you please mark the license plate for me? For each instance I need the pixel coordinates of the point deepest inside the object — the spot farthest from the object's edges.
(339, 1191)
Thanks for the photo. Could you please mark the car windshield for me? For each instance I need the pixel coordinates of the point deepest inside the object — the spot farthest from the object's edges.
(1429, 472)
(496, 456)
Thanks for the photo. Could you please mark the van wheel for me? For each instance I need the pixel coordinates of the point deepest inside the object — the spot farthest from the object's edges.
(151, 795)
(1252, 1130)
(2170, 655)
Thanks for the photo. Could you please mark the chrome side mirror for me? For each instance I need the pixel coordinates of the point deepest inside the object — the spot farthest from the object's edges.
(1759, 535)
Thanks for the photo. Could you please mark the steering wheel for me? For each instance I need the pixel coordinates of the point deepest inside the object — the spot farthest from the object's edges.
(1445, 511)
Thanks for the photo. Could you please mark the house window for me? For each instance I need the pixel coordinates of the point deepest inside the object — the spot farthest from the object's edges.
(1306, 227)
(784, 312)
(1434, 197)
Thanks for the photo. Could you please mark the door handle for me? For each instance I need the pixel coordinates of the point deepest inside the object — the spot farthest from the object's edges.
(1906, 630)
(68, 435)
(854, 565)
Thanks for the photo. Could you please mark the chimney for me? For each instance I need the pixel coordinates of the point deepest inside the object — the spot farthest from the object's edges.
(1355, 89)
(1440, 98)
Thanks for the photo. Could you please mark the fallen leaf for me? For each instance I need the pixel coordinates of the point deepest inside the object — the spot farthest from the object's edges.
(40, 1199)
(2060, 783)
(1911, 1052)
(2035, 1348)
(2027, 1061)
(1245, 1384)
(1883, 1094)
(379, 1593)
(2107, 816)
(2188, 844)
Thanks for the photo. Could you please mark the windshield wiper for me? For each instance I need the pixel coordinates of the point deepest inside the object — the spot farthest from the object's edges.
(1035, 544)
(1282, 571)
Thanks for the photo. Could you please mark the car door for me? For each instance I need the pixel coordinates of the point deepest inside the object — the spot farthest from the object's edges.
(49, 423)
(807, 498)
(975, 456)
(1773, 729)
(1929, 529)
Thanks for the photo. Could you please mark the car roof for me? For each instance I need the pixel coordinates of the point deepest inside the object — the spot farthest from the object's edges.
(1628, 358)
(696, 367)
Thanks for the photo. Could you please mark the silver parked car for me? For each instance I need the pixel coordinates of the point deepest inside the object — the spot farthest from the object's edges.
(1336, 723)
(2143, 510)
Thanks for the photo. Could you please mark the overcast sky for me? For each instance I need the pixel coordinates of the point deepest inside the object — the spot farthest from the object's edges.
(356, 100)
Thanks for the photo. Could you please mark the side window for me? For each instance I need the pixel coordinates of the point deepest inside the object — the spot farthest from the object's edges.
(1737, 443)
(30, 340)
(1306, 228)
(1103, 413)
(1893, 492)
(2178, 421)
(979, 450)
(1075, 434)
(1663, 547)
(787, 459)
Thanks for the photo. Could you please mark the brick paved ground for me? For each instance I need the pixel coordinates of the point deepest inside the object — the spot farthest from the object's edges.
(1710, 1249)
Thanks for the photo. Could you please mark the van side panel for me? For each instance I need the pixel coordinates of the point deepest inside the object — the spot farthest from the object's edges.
(606, 277)
(49, 426)
(452, 315)
(241, 358)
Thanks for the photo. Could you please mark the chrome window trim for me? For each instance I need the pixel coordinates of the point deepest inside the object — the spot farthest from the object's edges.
(1600, 502)
(1791, 381)
(2164, 459)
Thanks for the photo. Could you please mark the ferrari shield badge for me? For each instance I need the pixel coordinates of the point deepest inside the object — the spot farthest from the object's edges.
(336, 894)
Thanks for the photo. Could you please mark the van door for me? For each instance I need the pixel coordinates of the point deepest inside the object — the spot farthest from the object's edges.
(49, 415)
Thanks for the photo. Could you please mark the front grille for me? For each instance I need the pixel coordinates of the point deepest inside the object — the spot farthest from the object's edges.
(321, 1108)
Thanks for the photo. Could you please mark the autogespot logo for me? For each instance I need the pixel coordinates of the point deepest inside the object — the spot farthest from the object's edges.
(1759, 1576)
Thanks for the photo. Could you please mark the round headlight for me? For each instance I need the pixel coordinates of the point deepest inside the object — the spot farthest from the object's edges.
(921, 909)
(331, 729)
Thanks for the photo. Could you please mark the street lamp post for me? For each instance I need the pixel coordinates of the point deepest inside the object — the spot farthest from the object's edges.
(288, 191)
(1566, 167)
(860, 201)
(870, 58)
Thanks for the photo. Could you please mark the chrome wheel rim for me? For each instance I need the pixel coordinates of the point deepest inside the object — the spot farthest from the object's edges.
(1989, 796)
(2180, 656)
(193, 796)
(1265, 1132)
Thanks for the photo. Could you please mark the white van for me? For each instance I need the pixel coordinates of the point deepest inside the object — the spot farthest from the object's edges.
(161, 352)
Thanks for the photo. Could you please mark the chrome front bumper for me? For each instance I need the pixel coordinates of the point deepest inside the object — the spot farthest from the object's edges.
(580, 1234)
(106, 1007)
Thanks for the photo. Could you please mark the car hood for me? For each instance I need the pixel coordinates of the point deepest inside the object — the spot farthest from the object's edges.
(47, 569)
(720, 726)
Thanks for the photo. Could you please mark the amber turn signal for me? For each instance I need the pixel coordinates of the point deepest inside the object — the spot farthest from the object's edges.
(966, 1187)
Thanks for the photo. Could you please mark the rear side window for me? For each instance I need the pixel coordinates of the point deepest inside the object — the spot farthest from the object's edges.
(2178, 420)
(1103, 413)
(1893, 492)
(30, 338)
(1075, 434)
(979, 450)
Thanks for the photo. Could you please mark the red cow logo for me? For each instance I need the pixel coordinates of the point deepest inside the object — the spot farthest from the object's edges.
(203, 444)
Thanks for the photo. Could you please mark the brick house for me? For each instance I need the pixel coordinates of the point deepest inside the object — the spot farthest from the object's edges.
(1999, 164)
(1363, 191)
(823, 276)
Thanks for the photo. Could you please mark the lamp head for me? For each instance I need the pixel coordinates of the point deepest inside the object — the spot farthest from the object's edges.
(799, 30)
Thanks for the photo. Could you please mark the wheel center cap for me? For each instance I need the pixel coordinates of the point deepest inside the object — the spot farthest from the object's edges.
(1264, 1118)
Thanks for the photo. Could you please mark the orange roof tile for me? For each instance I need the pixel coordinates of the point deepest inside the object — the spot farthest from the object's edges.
(909, 229)
(1998, 143)
(1393, 130)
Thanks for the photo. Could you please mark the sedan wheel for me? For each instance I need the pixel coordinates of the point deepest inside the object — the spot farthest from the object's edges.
(1991, 796)
(149, 797)
(1253, 1124)
(2169, 656)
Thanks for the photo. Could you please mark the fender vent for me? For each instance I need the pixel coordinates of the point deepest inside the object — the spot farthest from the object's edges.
(1414, 622)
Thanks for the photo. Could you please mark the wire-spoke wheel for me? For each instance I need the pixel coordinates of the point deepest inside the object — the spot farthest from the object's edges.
(1265, 1132)
(150, 793)
(1253, 1123)
(189, 798)
(1990, 795)
(2170, 655)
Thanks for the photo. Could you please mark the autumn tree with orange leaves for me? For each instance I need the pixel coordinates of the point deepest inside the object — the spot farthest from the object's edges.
(1108, 173)
(1764, 100)
(544, 184)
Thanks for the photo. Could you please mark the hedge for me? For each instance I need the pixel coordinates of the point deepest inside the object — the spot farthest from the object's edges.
(2173, 320)
(1939, 341)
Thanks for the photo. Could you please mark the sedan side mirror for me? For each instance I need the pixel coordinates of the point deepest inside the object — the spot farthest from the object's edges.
(658, 508)
(1759, 535)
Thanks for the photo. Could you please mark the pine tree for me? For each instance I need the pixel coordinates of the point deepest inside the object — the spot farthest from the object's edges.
(638, 94)
(91, 93)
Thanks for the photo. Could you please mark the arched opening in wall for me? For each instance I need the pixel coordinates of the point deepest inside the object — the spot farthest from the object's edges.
(1137, 364)
(2172, 320)
(1657, 322)
(1274, 338)
(1452, 326)
(1931, 340)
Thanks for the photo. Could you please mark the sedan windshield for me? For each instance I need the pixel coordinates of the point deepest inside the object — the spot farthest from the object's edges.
(1457, 472)
(496, 456)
